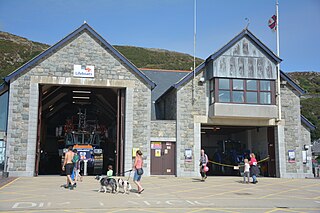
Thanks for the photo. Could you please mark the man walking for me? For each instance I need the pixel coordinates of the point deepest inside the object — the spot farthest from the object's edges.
(203, 165)
(68, 167)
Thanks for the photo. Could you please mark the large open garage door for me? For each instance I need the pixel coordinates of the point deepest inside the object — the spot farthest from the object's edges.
(85, 118)
(227, 146)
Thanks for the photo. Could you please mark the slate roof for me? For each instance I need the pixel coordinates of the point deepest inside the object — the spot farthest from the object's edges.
(292, 83)
(305, 121)
(83, 27)
(164, 79)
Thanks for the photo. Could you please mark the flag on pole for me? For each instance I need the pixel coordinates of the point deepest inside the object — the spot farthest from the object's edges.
(273, 23)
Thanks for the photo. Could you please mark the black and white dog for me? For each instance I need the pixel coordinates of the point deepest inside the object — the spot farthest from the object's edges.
(107, 182)
(125, 185)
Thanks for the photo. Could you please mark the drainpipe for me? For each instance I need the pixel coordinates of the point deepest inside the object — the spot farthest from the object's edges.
(6, 157)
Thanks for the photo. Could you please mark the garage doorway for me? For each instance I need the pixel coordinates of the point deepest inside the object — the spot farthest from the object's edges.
(91, 118)
(163, 158)
(230, 145)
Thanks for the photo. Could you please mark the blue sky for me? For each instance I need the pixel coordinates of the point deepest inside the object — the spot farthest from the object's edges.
(168, 24)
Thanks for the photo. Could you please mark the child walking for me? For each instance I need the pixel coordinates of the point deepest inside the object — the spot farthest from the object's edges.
(246, 172)
(109, 172)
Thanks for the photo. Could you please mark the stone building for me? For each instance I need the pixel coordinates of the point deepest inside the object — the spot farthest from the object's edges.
(229, 106)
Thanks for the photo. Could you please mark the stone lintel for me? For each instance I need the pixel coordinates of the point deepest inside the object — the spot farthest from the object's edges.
(82, 81)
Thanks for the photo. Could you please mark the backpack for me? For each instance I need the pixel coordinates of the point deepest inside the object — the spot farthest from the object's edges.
(75, 159)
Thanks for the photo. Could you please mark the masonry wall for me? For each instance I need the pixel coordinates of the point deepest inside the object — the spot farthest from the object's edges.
(163, 129)
(188, 135)
(168, 106)
(58, 69)
(295, 135)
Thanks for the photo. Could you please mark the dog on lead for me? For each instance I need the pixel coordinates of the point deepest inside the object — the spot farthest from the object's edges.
(124, 185)
(107, 183)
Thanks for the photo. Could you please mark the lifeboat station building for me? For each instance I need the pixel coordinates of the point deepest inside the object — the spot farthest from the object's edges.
(82, 91)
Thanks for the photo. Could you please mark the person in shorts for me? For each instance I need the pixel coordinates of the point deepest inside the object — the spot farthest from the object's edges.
(138, 164)
(68, 167)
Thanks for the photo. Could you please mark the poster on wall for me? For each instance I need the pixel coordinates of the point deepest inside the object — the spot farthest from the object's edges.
(188, 155)
(157, 153)
(291, 156)
(155, 145)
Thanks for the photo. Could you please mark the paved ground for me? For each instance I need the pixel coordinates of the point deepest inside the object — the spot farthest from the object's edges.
(164, 194)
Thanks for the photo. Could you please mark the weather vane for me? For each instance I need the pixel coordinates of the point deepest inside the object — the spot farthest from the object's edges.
(248, 22)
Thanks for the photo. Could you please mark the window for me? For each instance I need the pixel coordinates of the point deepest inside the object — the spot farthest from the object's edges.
(224, 90)
(212, 85)
(247, 91)
(252, 91)
(237, 91)
(265, 92)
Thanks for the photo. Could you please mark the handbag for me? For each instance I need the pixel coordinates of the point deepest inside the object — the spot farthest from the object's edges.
(140, 171)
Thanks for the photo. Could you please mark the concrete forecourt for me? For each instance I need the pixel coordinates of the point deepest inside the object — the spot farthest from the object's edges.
(163, 194)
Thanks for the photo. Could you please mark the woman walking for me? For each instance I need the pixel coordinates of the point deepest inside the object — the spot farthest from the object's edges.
(254, 170)
(137, 167)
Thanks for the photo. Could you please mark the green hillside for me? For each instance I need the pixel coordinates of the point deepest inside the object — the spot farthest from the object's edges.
(310, 103)
(15, 51)
(157, 58)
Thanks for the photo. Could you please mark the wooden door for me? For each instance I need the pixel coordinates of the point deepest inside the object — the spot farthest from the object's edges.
(37, 162)
(120, 132)
(163, 158)
(271, 153)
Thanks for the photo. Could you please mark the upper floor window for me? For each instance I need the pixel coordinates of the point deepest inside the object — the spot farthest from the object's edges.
(247, 91)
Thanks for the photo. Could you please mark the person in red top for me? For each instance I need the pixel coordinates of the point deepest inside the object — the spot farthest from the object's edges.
(138, 164)
(254, 170)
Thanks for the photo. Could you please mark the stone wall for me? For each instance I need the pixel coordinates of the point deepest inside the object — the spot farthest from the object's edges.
(187, 130)
(163, 129)
(167, 106)
(295, 136)
(57, 68)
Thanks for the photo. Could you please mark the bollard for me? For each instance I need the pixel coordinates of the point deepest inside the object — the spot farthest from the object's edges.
(85, 165)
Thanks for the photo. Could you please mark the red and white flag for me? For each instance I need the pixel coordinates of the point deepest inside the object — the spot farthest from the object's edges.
(273, 23)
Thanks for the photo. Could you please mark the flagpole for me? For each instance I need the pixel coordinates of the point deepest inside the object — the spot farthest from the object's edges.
(278, 65)
(194, 49)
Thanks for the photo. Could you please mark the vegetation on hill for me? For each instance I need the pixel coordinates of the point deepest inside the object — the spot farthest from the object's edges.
(310, 102)
(157, 58)
(15, 51)
(311, 110)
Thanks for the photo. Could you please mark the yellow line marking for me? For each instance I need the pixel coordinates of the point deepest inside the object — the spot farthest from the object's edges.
(9, 183)
(316, 198)
(197, 210)
(244, 189)
(273, 210)
(289, 190)
(193, 189)
(283, 209)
